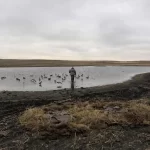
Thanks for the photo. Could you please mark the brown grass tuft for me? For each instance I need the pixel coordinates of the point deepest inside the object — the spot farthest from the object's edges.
(138, 114)
(85, 116)
(34, 119)
(88, 116)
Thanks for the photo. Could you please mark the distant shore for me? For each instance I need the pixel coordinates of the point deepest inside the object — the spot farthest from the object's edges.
(67, 63)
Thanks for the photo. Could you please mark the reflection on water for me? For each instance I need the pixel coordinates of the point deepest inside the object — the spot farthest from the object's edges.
(52, 78)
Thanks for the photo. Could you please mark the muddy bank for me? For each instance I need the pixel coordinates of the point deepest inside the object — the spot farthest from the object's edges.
(137, 87)
(117, 137)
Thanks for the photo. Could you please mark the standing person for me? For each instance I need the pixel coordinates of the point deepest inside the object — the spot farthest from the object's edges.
(72, 72)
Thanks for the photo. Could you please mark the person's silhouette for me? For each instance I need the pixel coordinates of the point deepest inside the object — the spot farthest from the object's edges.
(72, 72)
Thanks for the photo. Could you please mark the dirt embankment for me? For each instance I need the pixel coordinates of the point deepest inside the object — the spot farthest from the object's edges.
(13, 136)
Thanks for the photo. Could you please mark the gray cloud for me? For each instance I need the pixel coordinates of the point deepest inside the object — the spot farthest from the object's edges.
(75, 29)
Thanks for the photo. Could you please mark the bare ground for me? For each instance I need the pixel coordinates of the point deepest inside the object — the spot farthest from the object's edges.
(116, 137)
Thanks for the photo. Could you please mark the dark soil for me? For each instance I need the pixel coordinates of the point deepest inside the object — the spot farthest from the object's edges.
(13, 136)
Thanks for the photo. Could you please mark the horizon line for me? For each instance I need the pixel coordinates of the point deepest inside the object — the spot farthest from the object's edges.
(73, 60)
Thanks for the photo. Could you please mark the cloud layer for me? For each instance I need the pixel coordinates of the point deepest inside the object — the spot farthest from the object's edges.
(75, 29)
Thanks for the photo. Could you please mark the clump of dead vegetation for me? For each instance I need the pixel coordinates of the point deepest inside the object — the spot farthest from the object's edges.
(85, 116)
(34, 119)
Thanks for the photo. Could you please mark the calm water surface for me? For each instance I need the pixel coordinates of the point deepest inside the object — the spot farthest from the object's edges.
(52, 78)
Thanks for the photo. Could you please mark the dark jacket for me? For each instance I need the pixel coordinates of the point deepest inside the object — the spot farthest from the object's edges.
(72, 72)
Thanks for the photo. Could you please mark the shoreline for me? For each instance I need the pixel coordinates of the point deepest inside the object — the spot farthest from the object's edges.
(121, 74)
(134, 88)
(13, 104)
(65, 63)
(139, 80)
(117, 65)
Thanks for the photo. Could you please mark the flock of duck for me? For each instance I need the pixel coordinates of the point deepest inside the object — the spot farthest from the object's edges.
(56, 78)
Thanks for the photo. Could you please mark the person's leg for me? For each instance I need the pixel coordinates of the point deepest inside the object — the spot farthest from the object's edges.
(72, 86)
(72, 78)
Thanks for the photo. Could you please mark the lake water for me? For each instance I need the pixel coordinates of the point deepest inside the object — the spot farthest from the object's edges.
(52, 78)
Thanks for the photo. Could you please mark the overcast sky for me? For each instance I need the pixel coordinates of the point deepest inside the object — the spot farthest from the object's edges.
(75, 29)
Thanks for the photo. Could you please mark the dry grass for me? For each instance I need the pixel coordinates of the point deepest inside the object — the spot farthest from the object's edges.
(88, 116)
(34, 119)
(138, 114)
(52, 63)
